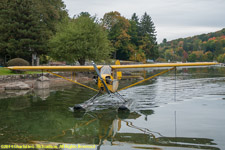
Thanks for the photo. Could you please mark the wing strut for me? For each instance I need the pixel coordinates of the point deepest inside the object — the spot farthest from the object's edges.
(73, 81)
(147, 79)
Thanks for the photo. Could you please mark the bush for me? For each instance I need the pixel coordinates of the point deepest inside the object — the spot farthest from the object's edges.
(17, 62)
(221, 58)
(160, 60)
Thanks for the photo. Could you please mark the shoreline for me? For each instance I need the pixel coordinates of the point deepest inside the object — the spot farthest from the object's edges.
(30, 79)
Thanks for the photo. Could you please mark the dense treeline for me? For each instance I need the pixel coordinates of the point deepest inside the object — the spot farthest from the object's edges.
(44, 28)
(204, 47)
(27, 25)
(112, 36)
(133, 39)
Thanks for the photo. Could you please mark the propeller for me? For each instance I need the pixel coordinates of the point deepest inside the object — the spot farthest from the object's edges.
(100, 77)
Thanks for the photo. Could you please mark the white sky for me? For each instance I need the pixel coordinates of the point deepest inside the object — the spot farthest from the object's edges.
(172, 18)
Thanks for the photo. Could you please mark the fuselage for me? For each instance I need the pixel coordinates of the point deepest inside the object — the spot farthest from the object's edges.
(107, 76)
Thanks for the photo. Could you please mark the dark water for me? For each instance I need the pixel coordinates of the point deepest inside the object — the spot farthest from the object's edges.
(186, 113)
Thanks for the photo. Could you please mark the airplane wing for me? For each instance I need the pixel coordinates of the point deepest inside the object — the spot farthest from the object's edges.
(53, 68)
(163, 65)
(66, 68)
(116, 67)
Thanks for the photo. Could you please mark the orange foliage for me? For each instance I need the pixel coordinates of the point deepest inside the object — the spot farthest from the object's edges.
(136, 55)
(198, 53)
(180, 44)
(185, 56)
(213, 38)
(222, 37)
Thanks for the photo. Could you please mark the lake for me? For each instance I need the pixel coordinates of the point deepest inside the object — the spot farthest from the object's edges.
(167, 113)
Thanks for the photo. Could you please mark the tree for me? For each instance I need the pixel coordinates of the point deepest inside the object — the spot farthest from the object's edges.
(51, 12)
(204, 47)
(136, 53)
(185, 56)
(208, 56)
(27, 25)
(192, 57)
(197, 44)
(147, 33)
(85, 14)
(118, 27)
(169, 54)
(80, 39)
(164, 41)
(3, 39)
(196, 56)
(221, 58)
(133, 31)
(135, 19)
(22, 34)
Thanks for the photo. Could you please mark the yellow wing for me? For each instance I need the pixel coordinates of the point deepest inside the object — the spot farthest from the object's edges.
(66, 68)
(163, 65)
(53, 68)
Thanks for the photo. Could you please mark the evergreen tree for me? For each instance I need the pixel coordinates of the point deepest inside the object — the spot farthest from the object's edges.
(26, 26)
(147, 35)
(50, 12)
(22, 34)
(164, 41)
(135, 18)
(133, 32)
(3, 36)
(137, 53)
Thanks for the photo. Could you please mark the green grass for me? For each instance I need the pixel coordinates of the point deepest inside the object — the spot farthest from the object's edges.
(5, 71)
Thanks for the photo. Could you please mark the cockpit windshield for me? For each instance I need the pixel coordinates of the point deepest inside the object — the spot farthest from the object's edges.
(106, 70)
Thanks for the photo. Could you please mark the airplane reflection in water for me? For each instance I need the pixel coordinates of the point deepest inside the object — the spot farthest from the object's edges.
(104, 128)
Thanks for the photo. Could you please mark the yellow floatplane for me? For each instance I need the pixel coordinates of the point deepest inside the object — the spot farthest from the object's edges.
(108, 76)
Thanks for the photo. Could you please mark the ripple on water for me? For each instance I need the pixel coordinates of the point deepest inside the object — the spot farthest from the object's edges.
(166, 91)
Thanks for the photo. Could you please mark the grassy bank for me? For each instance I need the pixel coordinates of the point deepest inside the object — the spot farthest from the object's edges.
(5, 71)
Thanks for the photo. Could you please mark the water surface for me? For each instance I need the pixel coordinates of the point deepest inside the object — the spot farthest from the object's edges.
(182, 112)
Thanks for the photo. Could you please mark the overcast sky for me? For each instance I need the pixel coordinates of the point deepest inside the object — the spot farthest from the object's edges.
(172, 18)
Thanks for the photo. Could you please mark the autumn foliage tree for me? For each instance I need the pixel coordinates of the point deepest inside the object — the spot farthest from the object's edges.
(133, 39)
(117, 27)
